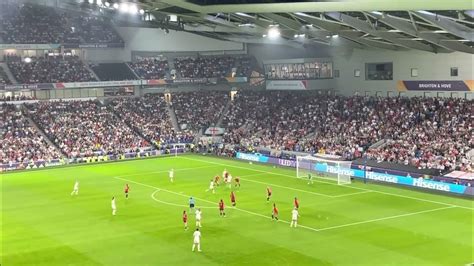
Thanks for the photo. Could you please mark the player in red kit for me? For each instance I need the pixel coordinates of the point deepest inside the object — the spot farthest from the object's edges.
(221, 208)
(275, 212)
(237, 182)
(297, 203)
(185, 220)
(269, 193)
(232, 198)
(126, 189)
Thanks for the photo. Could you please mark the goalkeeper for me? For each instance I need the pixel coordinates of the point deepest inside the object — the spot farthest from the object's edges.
(310, 179)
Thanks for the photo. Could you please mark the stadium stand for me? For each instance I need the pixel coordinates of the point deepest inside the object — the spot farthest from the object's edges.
(199, 109)
(21, 142)
(151, 68)
(85, 128)
(29, 23)
(4, 77)
(149, 117)
(213, 67)
(113, 71)
(424, 132)
(49, 70)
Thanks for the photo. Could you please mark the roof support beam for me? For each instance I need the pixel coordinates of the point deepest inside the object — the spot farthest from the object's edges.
(325, 6)
(447, 24)
(392, 37)
(350, 38)
(433, 38)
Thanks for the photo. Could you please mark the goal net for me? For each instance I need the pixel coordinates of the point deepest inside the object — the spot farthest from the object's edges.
(315, 167)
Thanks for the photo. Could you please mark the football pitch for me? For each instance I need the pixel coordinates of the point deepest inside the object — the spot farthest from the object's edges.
(357, 224)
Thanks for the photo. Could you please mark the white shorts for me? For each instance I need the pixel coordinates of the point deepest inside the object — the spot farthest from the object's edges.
(197, 242)
(211, 187)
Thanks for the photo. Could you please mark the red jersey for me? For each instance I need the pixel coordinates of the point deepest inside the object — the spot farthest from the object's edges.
(185, 217)
(275, 211)
(269, 191)
(221, 205)
(297, 203)
(232, 197)
(127, 188)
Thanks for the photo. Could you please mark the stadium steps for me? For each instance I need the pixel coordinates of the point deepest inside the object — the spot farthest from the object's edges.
(9, 73)
(133, 71)
(174, 119)
(136, 131)
(26, 113)
(224, 112)
(378, 144)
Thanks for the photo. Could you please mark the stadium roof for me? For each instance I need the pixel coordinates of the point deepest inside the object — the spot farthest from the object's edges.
(437, 26)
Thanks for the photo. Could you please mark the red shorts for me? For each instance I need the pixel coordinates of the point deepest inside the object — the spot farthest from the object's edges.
(185, 220)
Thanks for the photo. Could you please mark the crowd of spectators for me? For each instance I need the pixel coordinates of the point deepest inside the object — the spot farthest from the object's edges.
(150, 67)
(12, 98)
(20, 141)
(49, 70)
(423, 132)
(85, 128)
(38, 24)
(93, 29)
(213, 67)
(148, 116)
(199, 109)
(430, 133)
(434, 133)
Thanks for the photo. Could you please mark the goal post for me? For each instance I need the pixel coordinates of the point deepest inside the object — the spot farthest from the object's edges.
(338, 171)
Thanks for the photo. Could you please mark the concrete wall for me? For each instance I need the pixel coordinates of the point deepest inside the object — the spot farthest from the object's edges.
(430, 67)
(154, 40)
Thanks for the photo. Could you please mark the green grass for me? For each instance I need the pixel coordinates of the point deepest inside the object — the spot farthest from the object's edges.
(359, 224)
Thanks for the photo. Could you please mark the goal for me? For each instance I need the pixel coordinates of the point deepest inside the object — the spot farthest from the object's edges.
(339, 171)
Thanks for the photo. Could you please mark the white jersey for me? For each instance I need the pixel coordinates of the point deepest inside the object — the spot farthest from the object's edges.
(294, 215)
(224, 174)
(76, 186)
(229, 178)
(171, 173)
(198, 215)
(211, 185)
(197, 237)
(113, 204)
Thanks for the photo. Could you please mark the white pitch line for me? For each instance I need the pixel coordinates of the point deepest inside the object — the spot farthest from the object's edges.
(204, 200)
(385, 218)
(289, 188)
(300, 190)
(302, 226)
(351, 194)
(363, 189)
(174, 204)
(166, 171)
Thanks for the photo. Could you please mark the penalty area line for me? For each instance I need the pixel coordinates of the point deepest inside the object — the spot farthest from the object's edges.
(357, 188)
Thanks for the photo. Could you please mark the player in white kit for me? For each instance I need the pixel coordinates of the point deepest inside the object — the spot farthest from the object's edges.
(75, 190)
(198, 217)
(114, 206)
(171, 175)
(229, 180)
(212, 187)
(294, 217)
(197, 240)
